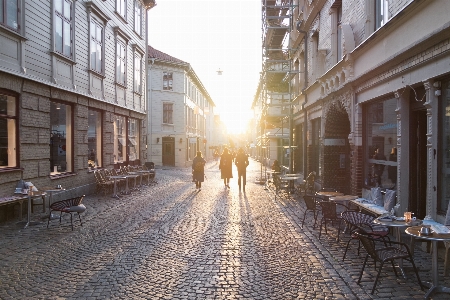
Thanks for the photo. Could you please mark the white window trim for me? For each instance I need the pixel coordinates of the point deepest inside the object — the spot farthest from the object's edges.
(138, 51)
(136, 2)
(171, 103)
(96, 15)
(121, 36)
(123, 17)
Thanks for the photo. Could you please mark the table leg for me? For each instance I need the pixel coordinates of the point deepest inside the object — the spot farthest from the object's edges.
(127, 190)
(114, 195)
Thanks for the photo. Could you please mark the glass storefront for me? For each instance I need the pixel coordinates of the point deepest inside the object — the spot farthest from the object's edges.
(380, 144)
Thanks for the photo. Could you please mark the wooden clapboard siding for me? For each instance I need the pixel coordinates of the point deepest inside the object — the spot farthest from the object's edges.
(38, 33)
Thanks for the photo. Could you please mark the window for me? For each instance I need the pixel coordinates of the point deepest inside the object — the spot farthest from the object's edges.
(94, 139)
(339, 33)
(120, 140)
(96, 47)
(8, 130)
(61, 140)
(137, 73)
(167, 81)
(381, 13)
(63, 27)
(167, 113)
(9, 14)
(121, 58)
(444, 163)
(133, 140)
(380, 151)
(138, 18)
(121, 8)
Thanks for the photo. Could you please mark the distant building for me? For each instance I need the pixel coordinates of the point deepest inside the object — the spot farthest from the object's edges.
(72, 89)
(181, 112)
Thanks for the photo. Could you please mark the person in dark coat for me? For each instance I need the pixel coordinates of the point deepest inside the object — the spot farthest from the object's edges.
(225, 166)
(198, 170)
(241, 162)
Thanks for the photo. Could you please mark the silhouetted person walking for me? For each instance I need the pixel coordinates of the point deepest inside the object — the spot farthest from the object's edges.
(225, 166)
(241, 162)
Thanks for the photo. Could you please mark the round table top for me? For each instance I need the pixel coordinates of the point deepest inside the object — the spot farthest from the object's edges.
(329, 194)
(393, 223)
(290, 177)
(118, 176)
(415, 231)
(343, 198)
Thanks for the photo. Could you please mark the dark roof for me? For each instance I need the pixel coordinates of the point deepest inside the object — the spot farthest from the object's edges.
(153, 53)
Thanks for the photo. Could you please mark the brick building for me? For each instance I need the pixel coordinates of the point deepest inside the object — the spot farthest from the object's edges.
(368, 89)
(72, 89)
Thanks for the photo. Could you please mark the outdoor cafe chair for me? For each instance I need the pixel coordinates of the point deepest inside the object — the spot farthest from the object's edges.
(312, 204)
(388, 252)
(330, 214)
(68, 206)
(357, 221)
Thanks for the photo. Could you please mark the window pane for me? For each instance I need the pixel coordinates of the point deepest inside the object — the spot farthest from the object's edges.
(2, 20)
(444, 199)
(99, 58)
(93, 54)
(8, 127)
(381, 153)
(67, 38)
(60, 138)
(11, 14)
(59, 6)
(119, 139)
(133, 139)
(67, 9)
(94, 139)
(58, 34)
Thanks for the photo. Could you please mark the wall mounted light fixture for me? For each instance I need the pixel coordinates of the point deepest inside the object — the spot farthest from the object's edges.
(157, 140)
(181, 140)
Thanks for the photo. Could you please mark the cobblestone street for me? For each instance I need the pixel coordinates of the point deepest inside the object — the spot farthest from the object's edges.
(172, 242)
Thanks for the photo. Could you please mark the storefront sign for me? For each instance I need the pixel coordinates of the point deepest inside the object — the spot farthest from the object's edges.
(334, 142)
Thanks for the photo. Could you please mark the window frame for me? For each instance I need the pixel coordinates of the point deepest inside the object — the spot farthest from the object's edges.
(19, 18)
(167, 117)
(8, 93)
(138, 26)
(133, 135)
(95, 15)
(168, 78)
(138, 54)
(98, 139)
(117, 136)
(125, 10)
(69, 140)
(71, 23)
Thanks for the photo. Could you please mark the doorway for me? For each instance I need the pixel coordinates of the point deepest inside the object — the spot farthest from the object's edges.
(168, 151)
(418, 163)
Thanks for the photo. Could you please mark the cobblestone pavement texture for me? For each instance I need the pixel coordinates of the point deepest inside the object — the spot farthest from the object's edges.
(171, 241)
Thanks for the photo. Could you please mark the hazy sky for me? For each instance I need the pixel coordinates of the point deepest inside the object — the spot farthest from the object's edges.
(213, 34)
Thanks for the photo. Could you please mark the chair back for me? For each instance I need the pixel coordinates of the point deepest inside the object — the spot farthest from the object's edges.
(310, 202)
(98, 176)
(368, 243)
(358, 219)
(328, 209)
(149, 165)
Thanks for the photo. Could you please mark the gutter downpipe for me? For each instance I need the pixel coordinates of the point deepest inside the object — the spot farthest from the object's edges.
(305, 114)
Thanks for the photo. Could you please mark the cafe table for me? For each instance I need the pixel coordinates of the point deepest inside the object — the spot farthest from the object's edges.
(115, 195)
(434, 286)
(31, 195)
(326, 195)
(291, 178)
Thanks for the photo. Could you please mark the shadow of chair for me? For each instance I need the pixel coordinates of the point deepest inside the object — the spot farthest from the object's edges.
(330, 214)
(357, 221)
(388, 252)
(312, 204)
(68, 206)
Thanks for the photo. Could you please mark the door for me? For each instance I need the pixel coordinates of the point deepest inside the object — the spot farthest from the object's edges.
(168, 151)
(418, 164)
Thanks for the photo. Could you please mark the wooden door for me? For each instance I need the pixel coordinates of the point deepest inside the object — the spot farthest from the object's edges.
(168, 151)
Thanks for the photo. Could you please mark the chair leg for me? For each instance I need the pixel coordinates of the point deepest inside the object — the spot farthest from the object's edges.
(346, 248)
(417, 273)
(315, 219)
(363, 267)
(304, 216)
(320, 230)
(49, 216)
(71, 223)
(79, 217)
(378, 276)
(339, 230)
(393, 267)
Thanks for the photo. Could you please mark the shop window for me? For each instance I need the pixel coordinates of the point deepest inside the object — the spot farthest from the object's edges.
(380, 144)
(444, 164)
(8, 131)
(61, 138)
(120, 144)
(133, 139)
(94, 139)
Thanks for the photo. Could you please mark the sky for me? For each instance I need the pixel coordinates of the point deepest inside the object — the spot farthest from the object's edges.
(213, 34)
